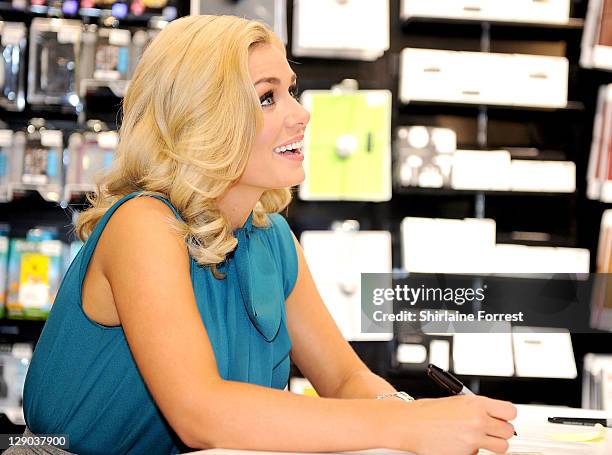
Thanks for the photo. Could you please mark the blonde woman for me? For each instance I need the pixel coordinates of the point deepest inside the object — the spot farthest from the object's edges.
(175, 325)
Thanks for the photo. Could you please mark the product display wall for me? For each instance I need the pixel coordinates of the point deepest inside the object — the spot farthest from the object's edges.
(508, 148)
(444, 118)
(64, 67)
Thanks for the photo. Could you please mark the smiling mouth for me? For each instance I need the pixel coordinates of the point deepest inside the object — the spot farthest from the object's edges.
(294, 148)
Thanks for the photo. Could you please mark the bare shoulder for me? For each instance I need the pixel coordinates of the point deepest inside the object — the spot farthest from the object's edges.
(147, 267)
(143, 226)
(142, 211)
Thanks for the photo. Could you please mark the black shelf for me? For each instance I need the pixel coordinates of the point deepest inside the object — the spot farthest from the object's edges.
(416, 191)
(574, 24)
(20, 330)
(571, 107)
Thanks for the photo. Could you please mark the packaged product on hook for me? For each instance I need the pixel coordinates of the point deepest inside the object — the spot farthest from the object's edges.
(112, 54)
(35, 269)
(347, 146)
(271, 12)
(37, 160)
(105, 69)
(12, 69)
(53, 72)
(90, 153)
(106, 53)
(14, 363)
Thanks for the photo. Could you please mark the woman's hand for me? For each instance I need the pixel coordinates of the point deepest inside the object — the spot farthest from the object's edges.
(457, 425)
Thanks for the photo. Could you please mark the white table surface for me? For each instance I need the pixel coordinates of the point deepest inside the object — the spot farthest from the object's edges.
(531, 425)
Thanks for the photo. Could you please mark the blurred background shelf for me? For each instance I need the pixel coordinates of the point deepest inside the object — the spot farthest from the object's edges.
(574, 24)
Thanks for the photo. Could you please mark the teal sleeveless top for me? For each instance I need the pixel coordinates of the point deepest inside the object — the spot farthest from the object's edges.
(83, 380)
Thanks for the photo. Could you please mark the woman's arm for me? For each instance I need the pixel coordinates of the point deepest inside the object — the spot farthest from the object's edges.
(147, 266)
(319, 349)
(363, 384)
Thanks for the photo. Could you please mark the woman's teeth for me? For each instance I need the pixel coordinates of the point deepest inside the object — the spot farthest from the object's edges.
(290, 147)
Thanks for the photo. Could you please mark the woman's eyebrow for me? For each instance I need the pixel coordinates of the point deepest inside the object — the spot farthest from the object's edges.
(275, 80)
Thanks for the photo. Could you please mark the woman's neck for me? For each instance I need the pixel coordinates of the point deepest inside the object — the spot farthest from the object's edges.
(238, 202)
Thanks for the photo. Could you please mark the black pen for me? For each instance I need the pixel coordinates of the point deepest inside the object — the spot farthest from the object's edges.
(581, 421)
(448, 381)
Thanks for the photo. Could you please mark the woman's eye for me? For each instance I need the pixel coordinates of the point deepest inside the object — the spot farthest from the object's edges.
(267, 99)
(293, 91)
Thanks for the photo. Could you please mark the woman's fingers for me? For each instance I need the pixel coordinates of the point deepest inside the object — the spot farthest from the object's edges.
(499, 428)
(495, 445)
(500, 409)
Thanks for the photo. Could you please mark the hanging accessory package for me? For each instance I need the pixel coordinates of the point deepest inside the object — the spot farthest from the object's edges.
(37, 160)
(347, 147)
(12, 69)
(53, 72)
(90, 153)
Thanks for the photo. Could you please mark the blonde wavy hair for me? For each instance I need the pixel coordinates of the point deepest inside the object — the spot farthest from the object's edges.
(189, 115)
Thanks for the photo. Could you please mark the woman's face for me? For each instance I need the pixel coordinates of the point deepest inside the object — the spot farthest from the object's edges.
(284, 122)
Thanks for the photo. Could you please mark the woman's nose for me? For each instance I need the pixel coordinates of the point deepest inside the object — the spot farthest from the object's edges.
(299, 116)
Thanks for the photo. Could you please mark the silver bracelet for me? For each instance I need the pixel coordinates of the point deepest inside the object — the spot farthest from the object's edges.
(401, 395)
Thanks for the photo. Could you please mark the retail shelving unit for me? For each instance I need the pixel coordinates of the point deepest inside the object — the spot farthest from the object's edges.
(569, 219)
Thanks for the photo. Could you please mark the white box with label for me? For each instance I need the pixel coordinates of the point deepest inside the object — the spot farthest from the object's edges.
(429, 75)
(539, 11)
(540, 80)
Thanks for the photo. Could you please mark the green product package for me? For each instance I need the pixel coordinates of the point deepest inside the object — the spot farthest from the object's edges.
(35, 269)
(347, 146)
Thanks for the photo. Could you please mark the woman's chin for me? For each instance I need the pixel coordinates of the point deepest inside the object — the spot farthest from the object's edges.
(300, 176)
